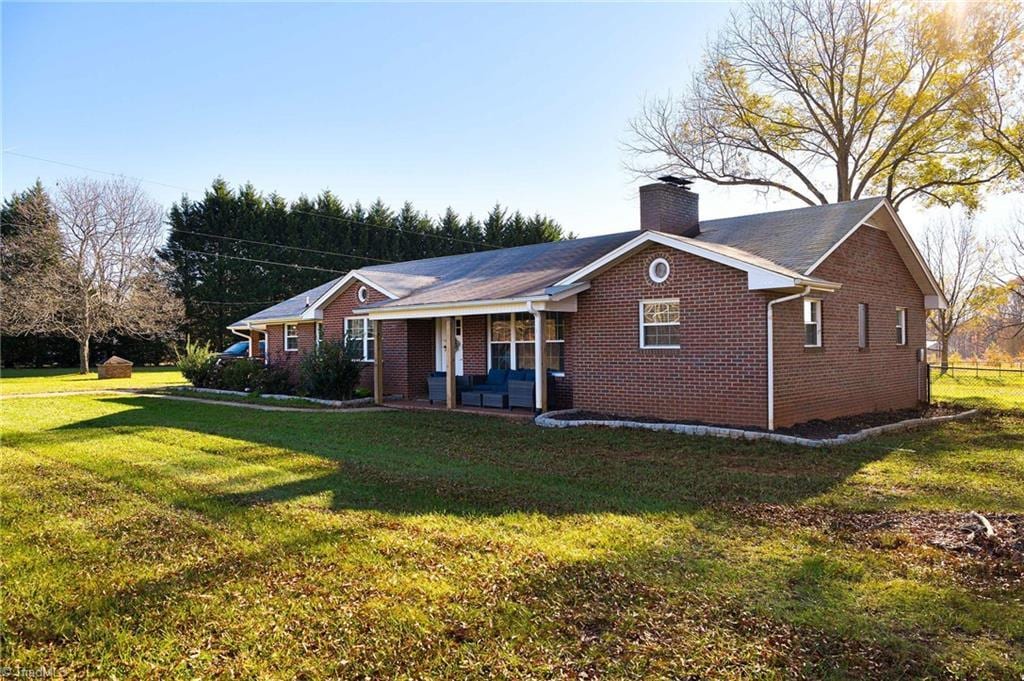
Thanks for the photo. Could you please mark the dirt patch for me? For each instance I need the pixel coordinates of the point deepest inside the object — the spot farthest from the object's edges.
(958, 533)
(815, 430)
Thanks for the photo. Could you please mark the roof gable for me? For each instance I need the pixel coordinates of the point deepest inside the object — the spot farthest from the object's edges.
(794, 238)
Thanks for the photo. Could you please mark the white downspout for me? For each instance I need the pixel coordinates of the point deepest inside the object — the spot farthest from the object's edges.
(771, 352)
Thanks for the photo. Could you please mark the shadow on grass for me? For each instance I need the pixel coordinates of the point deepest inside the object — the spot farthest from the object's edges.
(648, 608)
(415, 463)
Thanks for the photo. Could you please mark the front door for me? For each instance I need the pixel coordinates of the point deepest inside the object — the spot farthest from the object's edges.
(442, 346)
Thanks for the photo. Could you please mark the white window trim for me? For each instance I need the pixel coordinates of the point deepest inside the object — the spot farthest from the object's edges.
(362, 294)
(296, 337)
(901, 326)
(650, 270)
(819, 324)
(318, 333)
(367, 337)
(512, 339)
(643, 324)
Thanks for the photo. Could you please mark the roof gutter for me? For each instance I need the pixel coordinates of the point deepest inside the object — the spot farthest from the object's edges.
(771, 351)
(468, 306)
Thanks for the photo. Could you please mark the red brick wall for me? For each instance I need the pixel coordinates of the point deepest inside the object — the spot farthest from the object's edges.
(278, 356)
(420, 357)
(839, 378)
(254, 344)
(474, 345)
(718, 374)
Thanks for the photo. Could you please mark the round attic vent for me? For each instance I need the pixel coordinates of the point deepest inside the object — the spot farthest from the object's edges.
(658, 270)
(362, 294)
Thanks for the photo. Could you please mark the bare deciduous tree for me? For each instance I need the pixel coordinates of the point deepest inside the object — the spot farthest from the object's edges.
(107, 278)
(1013, 273)
(960, 262)
(833, 100)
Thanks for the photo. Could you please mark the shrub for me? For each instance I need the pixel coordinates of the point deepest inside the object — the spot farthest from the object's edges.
(241, 374)
(198, 364)
(329, 372)
(274, 381)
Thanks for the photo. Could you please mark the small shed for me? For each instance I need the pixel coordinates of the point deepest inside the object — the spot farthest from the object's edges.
(115, 367)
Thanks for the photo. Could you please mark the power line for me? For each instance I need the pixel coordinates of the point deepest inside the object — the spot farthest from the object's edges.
(277, 245)
(263, 262)
(293, 210)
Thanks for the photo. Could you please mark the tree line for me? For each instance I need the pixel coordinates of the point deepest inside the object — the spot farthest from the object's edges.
(92, 268)
(235, 252)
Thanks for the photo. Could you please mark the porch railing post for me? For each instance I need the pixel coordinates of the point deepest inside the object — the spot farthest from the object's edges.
(449, 368)
(378, 363)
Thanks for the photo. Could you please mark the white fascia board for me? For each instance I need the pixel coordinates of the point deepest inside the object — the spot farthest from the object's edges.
(474, 307)
(938, 299)
(569, 291)
(758, 278)
(444, 309)
(313, 311)
(276, 320)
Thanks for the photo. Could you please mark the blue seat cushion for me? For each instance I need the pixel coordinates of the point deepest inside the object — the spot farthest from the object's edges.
(497, 377)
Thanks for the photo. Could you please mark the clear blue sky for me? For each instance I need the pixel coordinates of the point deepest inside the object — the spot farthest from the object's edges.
(459, 105)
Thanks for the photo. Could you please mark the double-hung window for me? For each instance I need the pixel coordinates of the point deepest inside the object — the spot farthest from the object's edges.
(319, 333)
(862, 326)
(554, 342)
(812, 323)
(359, 337)
(291, 337)
(659, 323)
(512, 337)
(901, 326)
(523, 337)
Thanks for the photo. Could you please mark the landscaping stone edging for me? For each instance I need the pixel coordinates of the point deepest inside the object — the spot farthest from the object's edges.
(343, 404)
(548, 420)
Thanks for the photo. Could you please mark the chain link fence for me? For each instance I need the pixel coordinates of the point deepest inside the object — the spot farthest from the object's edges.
(978, 386)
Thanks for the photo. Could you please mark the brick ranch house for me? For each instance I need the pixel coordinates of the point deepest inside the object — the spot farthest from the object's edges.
(762, 320)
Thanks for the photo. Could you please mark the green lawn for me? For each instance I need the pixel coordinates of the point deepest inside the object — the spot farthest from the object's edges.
(988, 389)
(21, 381)
(149, 538)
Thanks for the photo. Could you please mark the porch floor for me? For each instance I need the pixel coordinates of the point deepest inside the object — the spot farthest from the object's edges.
(425, 405)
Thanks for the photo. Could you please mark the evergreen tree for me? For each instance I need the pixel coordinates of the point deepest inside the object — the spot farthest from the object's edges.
(236, 252)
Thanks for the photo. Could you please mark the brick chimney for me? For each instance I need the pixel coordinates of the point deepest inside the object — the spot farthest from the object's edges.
(669, 206)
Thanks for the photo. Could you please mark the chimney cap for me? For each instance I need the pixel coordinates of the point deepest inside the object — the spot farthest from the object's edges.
(676, 180)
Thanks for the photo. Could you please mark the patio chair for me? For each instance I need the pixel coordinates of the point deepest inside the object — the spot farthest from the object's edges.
(437, 386)
(521, 389)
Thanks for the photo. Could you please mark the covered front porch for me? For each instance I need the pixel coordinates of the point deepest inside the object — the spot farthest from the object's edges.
(499, 353)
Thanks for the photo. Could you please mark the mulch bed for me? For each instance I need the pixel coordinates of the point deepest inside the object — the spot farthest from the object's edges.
(958, 533)
(816, 429)
(820, 430)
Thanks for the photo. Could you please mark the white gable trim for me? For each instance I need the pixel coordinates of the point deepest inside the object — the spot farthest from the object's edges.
(934, 299)
(758, 278)
(313, 309)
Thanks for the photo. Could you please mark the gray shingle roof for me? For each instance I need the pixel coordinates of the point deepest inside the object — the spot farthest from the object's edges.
(793, 238)
(490, 275)
(787, 241)
(286, 309)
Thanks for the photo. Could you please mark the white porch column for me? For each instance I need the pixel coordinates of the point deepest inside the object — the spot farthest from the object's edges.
(378, 363)
(540, 376)
(449, 365)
